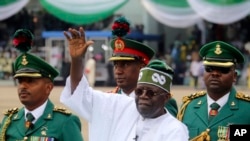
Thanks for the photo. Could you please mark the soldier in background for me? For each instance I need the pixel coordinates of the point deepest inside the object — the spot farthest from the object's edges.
(128, 58)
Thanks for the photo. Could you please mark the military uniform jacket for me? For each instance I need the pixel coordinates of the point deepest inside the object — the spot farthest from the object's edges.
(56, 124)
(233, 112)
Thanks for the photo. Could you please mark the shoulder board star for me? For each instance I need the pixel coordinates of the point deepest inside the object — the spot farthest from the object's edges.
(242, 96)
(61, 110)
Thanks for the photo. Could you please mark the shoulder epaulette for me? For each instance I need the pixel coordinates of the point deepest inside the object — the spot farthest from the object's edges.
(242, 96)
(62, 110)
(186, 100)
(10, 111)
(193, 96)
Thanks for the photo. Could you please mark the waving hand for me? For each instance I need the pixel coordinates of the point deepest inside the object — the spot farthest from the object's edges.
(77, 42)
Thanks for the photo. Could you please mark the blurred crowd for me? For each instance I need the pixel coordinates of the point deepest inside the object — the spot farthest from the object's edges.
(179, 54)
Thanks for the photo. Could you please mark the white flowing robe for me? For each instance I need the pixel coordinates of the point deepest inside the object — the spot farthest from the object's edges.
(115, 117)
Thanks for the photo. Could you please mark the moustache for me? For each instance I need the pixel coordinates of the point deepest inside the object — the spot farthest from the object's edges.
(23, 91)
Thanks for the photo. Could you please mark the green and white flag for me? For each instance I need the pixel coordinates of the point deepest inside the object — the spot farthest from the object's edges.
(173, 13)
(9, 8)
(221, 11)
(82, 11)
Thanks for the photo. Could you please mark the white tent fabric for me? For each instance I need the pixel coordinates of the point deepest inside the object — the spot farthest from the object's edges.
(10, 9)
(221, 13)
(178, 17)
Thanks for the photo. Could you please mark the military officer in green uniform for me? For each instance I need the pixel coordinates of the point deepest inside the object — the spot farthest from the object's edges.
(128, 57)
(39, 119)
(209, 114)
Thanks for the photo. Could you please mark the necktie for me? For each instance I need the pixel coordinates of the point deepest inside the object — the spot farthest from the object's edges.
(214, 111)
(30, 118)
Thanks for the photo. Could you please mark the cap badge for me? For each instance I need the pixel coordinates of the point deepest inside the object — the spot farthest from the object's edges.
(24, 60)
(218, 50)
(119, 44)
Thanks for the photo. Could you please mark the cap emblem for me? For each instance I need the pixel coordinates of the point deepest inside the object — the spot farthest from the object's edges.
(119, 44)
(24, 60)
(218, 50)
(157, 78)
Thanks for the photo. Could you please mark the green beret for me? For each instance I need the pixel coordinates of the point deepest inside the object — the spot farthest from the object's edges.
(26, 64)
(127, 49)
(220, 54)
(157, 73)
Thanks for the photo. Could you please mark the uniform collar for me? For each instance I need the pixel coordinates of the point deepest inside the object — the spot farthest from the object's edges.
(37, 113)
(222, 101)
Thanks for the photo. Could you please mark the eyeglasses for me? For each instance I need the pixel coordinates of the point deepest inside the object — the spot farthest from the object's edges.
(222, 70)
(149, 93)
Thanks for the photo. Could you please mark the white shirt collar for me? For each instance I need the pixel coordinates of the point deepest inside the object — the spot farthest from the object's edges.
(222, 101)
(37, 113)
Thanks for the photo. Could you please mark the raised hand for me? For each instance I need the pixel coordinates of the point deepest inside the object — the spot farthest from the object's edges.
(77, 42)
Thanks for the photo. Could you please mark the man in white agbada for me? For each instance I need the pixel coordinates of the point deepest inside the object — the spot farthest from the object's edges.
(118, 117)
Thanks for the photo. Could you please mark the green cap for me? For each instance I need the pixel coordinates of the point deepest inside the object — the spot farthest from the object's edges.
(157, 73)
(127, 49)
(220, 54)
(27, 64)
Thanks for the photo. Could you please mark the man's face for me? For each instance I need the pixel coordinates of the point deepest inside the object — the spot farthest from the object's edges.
(150, 100)
(219, 79)
(33, 92)
(126, 73)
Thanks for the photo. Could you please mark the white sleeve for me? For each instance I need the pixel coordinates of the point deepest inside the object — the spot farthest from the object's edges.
(89, 103)
(80, 101)
(179, 131)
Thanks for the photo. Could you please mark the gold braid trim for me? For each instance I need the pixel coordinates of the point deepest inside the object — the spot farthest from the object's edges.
(62, 110)
(204, 136)
(7, 122)
(242, 96)
(186, 100)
